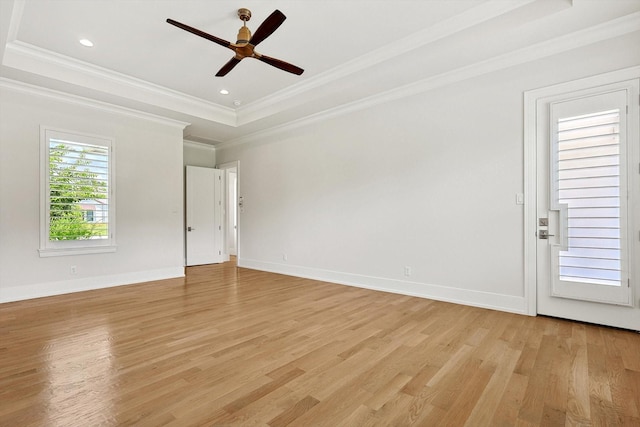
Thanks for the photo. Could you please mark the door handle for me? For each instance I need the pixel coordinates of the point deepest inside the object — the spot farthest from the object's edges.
(563, 227)
(563, 218)
(544, 234)
(190, 229)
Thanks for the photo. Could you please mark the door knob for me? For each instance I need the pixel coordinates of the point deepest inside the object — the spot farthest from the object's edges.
(190, 229)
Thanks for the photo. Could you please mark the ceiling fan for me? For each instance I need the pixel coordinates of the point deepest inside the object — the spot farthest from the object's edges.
(244, 47)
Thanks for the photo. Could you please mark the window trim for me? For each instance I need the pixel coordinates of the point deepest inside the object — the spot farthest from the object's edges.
(49, 248)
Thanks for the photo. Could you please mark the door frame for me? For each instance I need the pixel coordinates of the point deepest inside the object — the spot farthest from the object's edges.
(531, 100)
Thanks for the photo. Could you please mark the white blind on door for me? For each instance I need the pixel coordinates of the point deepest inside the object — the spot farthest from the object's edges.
(588, 181)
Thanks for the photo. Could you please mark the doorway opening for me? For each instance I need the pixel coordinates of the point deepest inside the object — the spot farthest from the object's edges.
(230, 172)
(582, 183)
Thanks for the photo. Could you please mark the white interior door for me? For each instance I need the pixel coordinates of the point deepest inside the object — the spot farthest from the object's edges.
(204, 240)
(587, 160)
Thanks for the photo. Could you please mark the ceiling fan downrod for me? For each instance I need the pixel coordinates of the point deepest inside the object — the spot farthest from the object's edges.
(244, 35)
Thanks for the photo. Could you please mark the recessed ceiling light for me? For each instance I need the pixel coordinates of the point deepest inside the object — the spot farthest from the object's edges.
(86, 42)
(224, 92)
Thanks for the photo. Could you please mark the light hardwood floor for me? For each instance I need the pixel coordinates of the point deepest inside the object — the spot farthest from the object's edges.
(228, 346)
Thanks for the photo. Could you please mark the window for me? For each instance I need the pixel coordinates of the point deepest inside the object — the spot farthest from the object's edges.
(78, 198)
(588, 172)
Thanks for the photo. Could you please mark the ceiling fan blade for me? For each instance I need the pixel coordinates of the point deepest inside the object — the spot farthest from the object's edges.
(228, 67)
(197, 32)
(267, 27)
(280, 64)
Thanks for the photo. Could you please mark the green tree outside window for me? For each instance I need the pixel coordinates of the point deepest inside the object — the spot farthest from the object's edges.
(74, 177)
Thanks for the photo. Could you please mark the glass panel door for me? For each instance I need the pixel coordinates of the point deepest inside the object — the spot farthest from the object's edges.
(589, 197)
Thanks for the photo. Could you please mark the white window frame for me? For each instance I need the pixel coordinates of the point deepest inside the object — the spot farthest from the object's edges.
(48, 247)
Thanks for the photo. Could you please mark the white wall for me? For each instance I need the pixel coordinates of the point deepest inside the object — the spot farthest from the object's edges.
(198, 154)
(149, 202)
(428, 182)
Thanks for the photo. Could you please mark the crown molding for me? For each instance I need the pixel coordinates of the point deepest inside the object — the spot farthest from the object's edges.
(455, 24)
(196, 144)
(43, 62)
(16, 18)
(17, 86)
(608, 30)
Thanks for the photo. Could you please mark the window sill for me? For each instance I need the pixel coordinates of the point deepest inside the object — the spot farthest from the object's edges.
(49, 252)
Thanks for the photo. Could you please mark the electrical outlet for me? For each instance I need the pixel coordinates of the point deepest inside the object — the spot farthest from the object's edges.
(73, 269)
(284, 257)
(407, 270)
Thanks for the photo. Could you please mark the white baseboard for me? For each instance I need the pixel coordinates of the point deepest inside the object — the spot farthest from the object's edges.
(493, 301)
(508, 303)
(38, 290)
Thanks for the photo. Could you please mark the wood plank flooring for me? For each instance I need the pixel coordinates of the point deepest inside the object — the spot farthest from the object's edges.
(227, 346)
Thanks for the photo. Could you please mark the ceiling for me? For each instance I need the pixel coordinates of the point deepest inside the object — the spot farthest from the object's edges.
(355, 52)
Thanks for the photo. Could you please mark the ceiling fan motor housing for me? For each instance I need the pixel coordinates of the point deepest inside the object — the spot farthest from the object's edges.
(244, 35)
